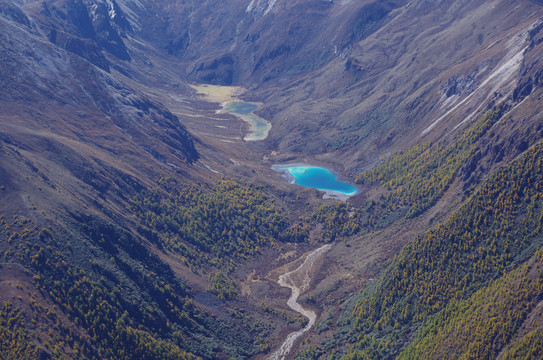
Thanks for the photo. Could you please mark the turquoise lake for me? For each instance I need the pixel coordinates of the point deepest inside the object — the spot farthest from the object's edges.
(316, 177)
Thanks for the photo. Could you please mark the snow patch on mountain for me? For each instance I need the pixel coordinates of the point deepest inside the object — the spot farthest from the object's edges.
(501, 80)
(131, 8)
(111, 9)
(261, 7)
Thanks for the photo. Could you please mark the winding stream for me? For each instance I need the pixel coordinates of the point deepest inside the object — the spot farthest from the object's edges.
(298, 281)
(228, 97)
(258, 127)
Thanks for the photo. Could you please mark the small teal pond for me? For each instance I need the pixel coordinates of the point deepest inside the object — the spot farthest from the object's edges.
(258, 127)
(318, 178)
(240, 107)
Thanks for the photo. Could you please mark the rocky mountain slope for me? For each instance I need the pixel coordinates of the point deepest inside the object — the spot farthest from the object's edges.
(125, 235)
(428, 68)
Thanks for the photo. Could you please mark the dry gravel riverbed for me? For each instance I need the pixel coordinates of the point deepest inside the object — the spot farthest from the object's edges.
(298, 281)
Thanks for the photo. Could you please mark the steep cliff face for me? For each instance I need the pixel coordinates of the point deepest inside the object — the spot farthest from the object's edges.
(65, 83)
(83, 28)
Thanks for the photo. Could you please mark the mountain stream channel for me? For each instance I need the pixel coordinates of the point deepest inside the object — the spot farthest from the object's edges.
(298, 281)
